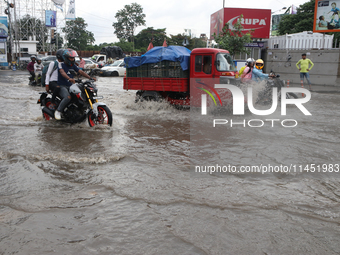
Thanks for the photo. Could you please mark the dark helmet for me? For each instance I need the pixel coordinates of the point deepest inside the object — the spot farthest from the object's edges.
(59, 54)
(34, 56)
(69, 53)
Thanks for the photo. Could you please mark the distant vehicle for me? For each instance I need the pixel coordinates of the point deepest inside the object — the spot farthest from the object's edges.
(90, 64)
(98, 57)
(47, 60)
(116, 69)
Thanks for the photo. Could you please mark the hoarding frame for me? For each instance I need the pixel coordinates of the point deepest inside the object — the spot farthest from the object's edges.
(50, 18)
(324, 8)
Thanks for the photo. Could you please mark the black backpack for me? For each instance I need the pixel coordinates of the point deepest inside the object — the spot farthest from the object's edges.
(44, 71)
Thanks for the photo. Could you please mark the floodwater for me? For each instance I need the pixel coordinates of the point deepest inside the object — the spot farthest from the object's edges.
(133, 189)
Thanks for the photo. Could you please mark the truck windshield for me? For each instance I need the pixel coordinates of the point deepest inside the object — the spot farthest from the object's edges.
(224, 62)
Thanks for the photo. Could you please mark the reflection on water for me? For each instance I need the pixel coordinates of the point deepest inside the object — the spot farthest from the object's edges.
(129, 189)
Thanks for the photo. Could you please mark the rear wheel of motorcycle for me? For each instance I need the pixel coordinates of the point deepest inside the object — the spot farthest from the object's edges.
(291, 95)
(104, 117)
(48, 104)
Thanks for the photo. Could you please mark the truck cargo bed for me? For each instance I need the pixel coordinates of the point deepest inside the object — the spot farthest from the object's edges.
(156, 84)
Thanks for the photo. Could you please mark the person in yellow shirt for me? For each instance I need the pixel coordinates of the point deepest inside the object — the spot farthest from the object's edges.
(304, 68)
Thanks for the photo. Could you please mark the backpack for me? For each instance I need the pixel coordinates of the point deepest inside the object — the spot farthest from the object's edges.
(44, 71)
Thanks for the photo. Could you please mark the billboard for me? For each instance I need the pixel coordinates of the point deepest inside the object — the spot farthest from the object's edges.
(50, 18)
(216, 22)
(327, 16)
(3, 27)
(253, 19)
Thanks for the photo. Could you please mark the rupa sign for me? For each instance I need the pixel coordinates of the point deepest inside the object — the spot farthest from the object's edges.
(257, 20)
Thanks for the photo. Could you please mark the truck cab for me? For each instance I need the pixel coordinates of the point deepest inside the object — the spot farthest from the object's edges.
(209, 66)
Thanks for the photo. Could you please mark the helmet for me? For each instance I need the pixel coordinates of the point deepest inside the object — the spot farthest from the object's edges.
(38, 60)
(250, 60)
(33, 56)
(69, 53)
(59, 54)
(259, 64)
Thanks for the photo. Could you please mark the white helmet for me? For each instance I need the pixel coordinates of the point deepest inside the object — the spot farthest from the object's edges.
(250, 60)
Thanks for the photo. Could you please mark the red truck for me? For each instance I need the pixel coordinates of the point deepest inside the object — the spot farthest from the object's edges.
(183, 79)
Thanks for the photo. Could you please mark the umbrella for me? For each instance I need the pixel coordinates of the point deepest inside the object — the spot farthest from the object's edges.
(150, 46)
(164, 43)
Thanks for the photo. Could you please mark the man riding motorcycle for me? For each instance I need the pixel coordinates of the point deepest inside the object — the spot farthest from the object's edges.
(65, 79)
(30, 68)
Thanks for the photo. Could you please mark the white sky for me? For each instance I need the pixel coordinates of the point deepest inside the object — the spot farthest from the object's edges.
(175, 15)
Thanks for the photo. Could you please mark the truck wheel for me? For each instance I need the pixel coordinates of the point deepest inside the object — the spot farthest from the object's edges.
(151, 96)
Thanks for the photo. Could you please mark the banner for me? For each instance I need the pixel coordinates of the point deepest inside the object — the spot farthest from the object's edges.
(50, 18)
(327, 16)
(3, 27)
(256, 21)
(71, 14)
(59, 4)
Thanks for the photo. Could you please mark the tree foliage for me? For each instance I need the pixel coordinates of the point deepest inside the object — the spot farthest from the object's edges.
(233, 40)
(77, 37)
(144, 37)
(128, 19)
(296, 23)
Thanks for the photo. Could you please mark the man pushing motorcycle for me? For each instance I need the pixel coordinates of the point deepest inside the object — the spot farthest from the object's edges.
(65, 79)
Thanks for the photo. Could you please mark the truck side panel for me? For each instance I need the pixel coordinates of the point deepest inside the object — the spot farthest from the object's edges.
(156, 84)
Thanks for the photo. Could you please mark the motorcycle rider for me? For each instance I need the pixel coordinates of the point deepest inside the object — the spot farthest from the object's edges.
(248, 70)
(52, 76)
(30, 68)
(65, 79)
(257, 74)
(38, 67)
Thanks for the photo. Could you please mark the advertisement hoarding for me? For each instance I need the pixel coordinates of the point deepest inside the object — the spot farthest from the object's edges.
(327, 16)
(257, 20)
(3, 27)
(216, 22)
(50, 18)
(276, 18)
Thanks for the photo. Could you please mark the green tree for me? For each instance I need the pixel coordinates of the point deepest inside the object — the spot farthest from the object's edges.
(77, 37)
(299, 22)
(125, 45)
(233, 40)
(128, 19)
(144, 37)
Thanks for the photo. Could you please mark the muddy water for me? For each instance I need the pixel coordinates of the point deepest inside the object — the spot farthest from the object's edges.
(130, 189)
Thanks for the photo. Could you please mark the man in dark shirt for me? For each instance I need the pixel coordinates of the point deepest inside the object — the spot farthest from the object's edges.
(30, 67)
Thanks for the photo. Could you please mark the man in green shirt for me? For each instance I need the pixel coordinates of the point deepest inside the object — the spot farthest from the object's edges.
(304, 68)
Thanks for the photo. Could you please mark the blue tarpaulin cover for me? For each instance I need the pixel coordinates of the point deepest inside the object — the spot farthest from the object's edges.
(158, 54)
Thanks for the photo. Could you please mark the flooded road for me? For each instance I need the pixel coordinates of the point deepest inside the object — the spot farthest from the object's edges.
(131, 188)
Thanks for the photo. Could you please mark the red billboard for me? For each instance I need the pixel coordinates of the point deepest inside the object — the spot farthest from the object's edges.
(257, 20)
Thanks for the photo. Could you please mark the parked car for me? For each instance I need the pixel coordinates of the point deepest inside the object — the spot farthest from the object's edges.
(116, 69)
(47, 60)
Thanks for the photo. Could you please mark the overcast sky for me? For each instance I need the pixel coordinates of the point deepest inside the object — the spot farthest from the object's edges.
(175, 15)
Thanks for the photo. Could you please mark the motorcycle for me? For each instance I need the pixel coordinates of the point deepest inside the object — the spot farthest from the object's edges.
(83, 105)
(266, 97)
(35, 82)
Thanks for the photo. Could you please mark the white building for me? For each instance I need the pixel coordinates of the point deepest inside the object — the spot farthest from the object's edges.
(301, 41)
(26, 47)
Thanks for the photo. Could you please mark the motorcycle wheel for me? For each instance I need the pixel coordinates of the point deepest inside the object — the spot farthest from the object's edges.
(104, 117)
(291, 95)
(51, 106)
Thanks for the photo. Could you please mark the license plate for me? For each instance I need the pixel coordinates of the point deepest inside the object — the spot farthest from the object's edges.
(100, 97)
